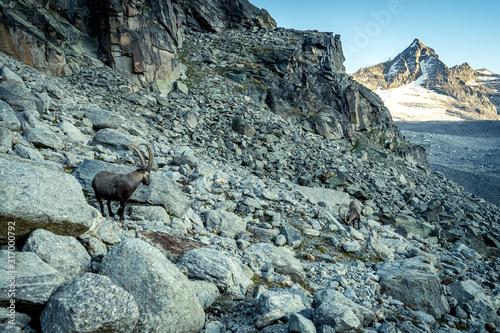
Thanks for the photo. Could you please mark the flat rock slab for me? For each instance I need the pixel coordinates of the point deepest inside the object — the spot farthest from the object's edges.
(34, 197)
(331, 198)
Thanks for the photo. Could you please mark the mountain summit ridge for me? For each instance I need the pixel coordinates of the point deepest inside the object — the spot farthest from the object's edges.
(420, 65)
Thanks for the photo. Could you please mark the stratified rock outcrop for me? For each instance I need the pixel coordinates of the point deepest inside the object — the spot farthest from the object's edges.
(137, 38)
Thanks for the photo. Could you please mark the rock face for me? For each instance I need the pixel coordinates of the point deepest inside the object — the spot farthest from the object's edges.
(163, 294)
(82, 307)
(420, 65)
(36, 197)
(124, 31)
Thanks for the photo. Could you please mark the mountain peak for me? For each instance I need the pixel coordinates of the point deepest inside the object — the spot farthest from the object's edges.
(417, 43)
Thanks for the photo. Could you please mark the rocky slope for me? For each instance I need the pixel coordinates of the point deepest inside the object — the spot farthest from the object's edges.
(417, 81)
(239, 229)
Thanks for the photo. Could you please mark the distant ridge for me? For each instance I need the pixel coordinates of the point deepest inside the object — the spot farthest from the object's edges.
(474, 94)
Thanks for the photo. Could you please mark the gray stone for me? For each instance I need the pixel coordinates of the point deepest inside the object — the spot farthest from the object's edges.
(91, 303)
(8, 117)
(5, 139)
(377, 250)
(207, 292)
(182, 87)
(27, 152)
(101, 118)
(115, 139)
(162, 191)
(151, 213)
(14, 91)
(185, 155)
(93, 245)
(214, 266)
(340, 317)
(64, 253)
(325, 300)
(259, 254)
(415, 282)
(293, 236)
(35, 197)
(225, 223)
(43, 138)
(157, 285)
(301, 324)
(34, 281)
(469, 292)
(274, 305)
(280, 240)
(191, 119)
(73, 134)
(215, 327)
(351, 246)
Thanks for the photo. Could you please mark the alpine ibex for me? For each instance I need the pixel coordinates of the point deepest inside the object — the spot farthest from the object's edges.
(354, 214)
(113, 186)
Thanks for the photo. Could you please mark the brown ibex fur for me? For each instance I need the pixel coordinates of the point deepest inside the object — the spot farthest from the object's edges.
(113, 186)
(354, 214)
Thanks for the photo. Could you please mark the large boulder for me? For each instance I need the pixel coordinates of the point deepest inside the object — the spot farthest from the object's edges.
(166, 298)
(35, 197)
(225, 223)
(214, 266)
(261, 254)
(415, 282)
(29, 282)
(91, 303)
(43, 138)
(162, 191)
(64, 253)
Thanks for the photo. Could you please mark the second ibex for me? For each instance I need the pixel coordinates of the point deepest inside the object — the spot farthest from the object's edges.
(113, 186)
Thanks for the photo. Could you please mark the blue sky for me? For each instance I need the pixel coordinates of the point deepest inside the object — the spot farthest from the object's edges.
(373, 31)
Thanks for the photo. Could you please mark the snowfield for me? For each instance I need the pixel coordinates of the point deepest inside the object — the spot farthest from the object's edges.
(412, 102)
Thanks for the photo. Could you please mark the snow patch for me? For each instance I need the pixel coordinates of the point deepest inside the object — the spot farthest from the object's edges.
(412, 102)
(487, 78)
(394, 69)
(485, 72)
